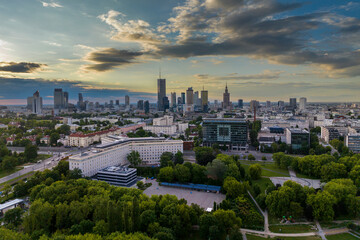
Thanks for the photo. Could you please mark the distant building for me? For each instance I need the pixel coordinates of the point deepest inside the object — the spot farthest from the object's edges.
(254, 105)
(127, 100)
(183, 98)
(302, 105)
(292, 103)
(226, 99)
(297, 138)
(281, 105)
(204, 100)
(35, 103)
(231, 132)
(329, 133)
(161, 90)
(352, 141)
(58, 98)
(117, 102)
(140, 105)
(189, 96)
(173, 99)
(119, 176)
(166, 103)
(268, 104)
(146, 106)
(240, 103)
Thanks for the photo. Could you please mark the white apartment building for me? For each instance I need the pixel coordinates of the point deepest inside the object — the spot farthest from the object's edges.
(165, 120)
(115, 153)
(161, 129)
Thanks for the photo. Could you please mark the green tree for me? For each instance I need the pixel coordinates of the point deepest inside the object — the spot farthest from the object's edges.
(166, 159)
(206, 221)
(134, 158)
(198, 173)
(333, 170)
(178, 158)
(255, 171)
(53, 138)
(233, 187)
(204, 155)
(166, 174)
(322, 205)
(182, 173)
(8, 163)
(227, 220)
(251, 157)
(13, 216)
(31, 152)
(216, 169)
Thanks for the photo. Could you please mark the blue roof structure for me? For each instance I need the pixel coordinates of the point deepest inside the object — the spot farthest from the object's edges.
(192, 186)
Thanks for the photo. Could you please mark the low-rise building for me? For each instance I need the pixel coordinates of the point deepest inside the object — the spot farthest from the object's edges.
(352, 141)
(329, 133)
(297, 138)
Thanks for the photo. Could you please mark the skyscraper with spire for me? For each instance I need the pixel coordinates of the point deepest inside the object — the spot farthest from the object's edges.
(226, 99)
(161, 90)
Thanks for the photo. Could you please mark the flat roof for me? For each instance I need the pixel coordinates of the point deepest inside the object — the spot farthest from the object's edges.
(228, 120)
(10, 203)
(117, 169)
(294, 130)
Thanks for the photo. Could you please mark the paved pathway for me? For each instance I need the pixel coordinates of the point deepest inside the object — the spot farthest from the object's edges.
(354, 235)
(271, 234)
(244, 236)
(320, 231)
(264, 213)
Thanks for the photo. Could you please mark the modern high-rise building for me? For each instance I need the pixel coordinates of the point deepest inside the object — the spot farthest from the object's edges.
(196, 99)
(58, 98)
(281, 104)
(240, 103)
(302, 105)
(183, 98)
(81, 99)
(204, 100)
(230, 132)
(146, 106)
(140, 105)
(292, 103)
(268, 104)
(254, 105)
(226, 99)
(161, 90)
(173, 99)
(127, 100)
(166, 103)
(189, 96)
(117, 102)
(66, 100)
(35, 103)
(179, 101)
(111, 103)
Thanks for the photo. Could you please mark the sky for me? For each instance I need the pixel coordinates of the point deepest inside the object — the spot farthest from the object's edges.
(262, 49)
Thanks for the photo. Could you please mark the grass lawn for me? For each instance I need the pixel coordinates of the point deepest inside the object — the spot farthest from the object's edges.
(4, 173)
(253, 237)
(342, 236)
(268, 169)
(263, 183)
(330, 225)
(293, 228)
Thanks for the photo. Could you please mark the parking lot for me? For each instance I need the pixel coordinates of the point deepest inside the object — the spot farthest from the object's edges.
(203, 199)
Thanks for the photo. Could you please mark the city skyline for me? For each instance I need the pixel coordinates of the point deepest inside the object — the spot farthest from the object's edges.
(264, 50)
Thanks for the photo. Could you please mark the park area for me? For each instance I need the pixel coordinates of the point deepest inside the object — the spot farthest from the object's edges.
(202, 198)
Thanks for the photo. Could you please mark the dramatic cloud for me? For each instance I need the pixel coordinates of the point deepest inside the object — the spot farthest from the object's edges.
(20, 67)
(20, 88)
(259, 29)
(266, 75)
(51, 4)
(109, 58)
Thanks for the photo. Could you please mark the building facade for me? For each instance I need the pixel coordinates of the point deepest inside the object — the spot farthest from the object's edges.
(297, 138)
(352, 141)
(115, 153)
(229, 132)
(161, 90)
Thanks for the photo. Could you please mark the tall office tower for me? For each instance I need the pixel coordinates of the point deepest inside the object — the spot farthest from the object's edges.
(37, 103)
(127, 100)
(293, 103)
(146, 106)
(204, 100)
(97, 105)
(281, 104)
(254, 105)
(240, 103)
(189, 96)
(179, 101)
(161, 89)
(195, 98)
(140, 105)
(302, 103)
(166, 103)
(226, 98)
(111, 103)
(29, 103)
(183, 98)
(268, 104)
(81, 99)
(173, 99)
(66, 100)
(117, 102)
(58, 98)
